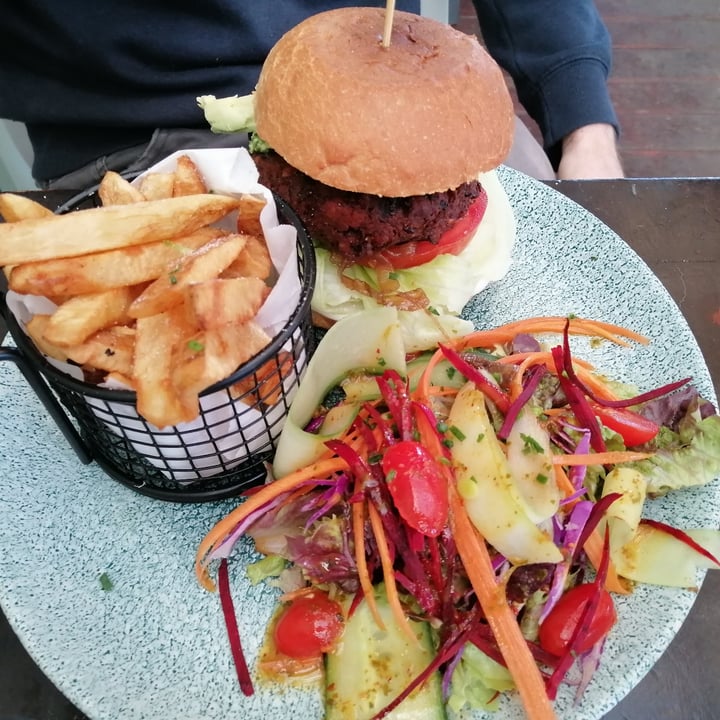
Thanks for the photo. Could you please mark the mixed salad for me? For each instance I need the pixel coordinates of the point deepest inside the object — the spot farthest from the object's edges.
(450, 526)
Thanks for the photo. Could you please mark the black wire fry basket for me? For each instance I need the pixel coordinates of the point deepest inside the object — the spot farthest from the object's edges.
(218, 455)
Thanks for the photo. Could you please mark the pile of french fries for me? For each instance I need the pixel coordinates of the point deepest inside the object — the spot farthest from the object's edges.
(150, 292)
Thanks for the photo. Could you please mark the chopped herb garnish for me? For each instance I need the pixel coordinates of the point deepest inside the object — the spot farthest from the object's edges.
(432, 310)
(450, 372)
(195, 346)
(393, 275)
(105, 582)
(173, 280)
(375, 458)
(542, 479)
(457, 432)
(531, 445)
(442, 426)
(382, 362)
(391, 476)
(448, 443)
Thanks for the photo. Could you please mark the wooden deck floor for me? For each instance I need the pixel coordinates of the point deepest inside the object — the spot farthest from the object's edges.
(665, 83)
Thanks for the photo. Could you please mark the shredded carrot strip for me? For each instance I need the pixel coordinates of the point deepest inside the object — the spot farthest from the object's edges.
(593, 548)
(563, 481)
(602, 458)
(388, 574)
(224, 527)
(358, 517)
(502, 620)
(295, 594)
(539, 325)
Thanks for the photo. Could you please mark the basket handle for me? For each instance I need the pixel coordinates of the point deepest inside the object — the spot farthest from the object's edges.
(49, 400)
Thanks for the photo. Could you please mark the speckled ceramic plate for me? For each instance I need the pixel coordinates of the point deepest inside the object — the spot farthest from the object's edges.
(153, 647)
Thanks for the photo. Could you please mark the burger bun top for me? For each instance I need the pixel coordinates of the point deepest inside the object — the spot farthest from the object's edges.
(425, 114)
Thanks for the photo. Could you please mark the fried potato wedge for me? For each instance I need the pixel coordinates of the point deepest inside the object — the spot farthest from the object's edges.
(83, 315)
(221, 301)
(108, 228)
(114, 189)
(188, 178)
(204, 263)
(253, 261)
(104, 270)
(14, 208)
(35, 328)
(212, 355)
(158, 401)
(265, 385)
(157, 185)
(111, 350)
(248, 219)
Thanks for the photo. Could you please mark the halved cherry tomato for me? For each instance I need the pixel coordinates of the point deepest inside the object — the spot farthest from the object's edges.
(631, 426)
(557, 629)
(453, 241)
(309, 626)
(417, 485)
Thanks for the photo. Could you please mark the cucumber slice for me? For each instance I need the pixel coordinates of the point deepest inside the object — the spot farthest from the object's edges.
(371, 667)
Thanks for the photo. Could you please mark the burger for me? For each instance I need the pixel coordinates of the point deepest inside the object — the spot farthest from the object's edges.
(386, 147)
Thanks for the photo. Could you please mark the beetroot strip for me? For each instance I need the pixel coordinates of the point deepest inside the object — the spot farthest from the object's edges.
(528, 389)
(498, 396)
(627, 402)
(682, 536)
(228, 608)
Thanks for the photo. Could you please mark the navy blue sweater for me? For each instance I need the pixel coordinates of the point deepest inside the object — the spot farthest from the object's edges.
(89, 78)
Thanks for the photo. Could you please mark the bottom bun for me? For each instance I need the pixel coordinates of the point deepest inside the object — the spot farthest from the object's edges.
(449, 281)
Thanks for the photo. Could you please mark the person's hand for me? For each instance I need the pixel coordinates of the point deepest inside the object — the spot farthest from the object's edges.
(590, 152)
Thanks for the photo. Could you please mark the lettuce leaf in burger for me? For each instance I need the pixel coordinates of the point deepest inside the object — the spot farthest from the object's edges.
(388, 156)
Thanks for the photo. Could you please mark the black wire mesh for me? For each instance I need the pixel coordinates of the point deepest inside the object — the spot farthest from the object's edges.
(220, 454)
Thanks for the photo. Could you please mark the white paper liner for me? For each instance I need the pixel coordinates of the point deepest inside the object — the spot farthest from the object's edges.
(211, 443)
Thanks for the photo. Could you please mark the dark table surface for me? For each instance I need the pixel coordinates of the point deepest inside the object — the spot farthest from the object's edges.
(674, 225)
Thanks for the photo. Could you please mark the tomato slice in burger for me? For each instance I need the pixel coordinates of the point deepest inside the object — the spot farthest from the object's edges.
(453, 241)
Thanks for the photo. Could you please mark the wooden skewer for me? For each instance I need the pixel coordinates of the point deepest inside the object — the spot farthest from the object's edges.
(387, 32)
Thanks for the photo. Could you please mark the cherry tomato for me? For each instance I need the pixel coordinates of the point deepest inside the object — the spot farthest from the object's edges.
(417, 485)
(309, 626)
(557, 629)
(453, 241)
(631, 426)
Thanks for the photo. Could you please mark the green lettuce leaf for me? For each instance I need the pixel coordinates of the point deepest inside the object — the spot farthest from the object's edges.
(477, 680)
(229, 114)
(684, 459)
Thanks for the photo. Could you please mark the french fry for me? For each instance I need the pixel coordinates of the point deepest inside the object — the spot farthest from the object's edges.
(114, 189)
(111, 350)
(248, 219)
(253, 261)
(35, 328)
(265, 385)
(204, 263)
(108, 228)
(158, 401)
(212, 355)
(221, 301)
(83, 315)
(104, 270)
(14, 208)
(157, 185)
(188, 178)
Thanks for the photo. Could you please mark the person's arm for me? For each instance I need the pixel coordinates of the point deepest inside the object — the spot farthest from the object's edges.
(559, 54)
